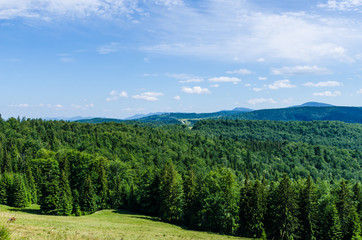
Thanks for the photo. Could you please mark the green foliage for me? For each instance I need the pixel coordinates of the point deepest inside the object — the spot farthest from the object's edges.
(328, 133)
(171, 194)
(192, 177)
(19, 192)
(4, 233)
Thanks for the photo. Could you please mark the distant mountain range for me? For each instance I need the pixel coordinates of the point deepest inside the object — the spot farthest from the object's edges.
(310, 111)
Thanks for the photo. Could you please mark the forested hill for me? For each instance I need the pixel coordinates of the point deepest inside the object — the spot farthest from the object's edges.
(178, 175)
(343, 114)
(297, 113)
(329, 133)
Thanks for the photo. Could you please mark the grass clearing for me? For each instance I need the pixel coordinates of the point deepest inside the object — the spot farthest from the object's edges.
(105, 224)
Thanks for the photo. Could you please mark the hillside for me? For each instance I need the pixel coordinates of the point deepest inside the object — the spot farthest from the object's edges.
(189, 177)
(105, 224)
(328, 133)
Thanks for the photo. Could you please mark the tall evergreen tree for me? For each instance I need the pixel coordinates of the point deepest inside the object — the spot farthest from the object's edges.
(286, 211)
(252, 210)
(65, 204)
(192, 203)
(329, 225)
(350, 225)
(49, 197)
(87, 197)
(19, 192)
(308, 210)
(171, 194)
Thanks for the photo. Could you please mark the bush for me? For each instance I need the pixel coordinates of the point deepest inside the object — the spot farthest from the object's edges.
(4, 233)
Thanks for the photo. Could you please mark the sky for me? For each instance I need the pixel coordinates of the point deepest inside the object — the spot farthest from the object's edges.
(118, 58)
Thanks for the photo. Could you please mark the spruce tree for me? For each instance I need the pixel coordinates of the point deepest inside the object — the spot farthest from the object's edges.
(19, 192)
(308, 210)
(191, 200)
(171, 194)
(286, 210)
(49, 197)
(87, 197)
(65, 204)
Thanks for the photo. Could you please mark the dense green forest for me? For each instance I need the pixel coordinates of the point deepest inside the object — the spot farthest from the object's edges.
(328, 133)
(268, 187)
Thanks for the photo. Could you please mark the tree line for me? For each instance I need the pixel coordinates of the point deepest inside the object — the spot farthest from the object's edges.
(273, 189)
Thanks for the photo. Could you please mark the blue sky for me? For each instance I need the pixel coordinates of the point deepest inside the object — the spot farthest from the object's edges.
(117, 58)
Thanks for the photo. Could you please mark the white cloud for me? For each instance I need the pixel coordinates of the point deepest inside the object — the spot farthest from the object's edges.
(185, 78)
(328, 94)
(258, 89)
(123, 94)
(215, 86)
(240, 71)
(234, 30)
(196, 90)
(148, 96)
(262, 78)
(115, 95)
(342, 5)
(192, 80)
(281, 84)
(177, 97)
(260, 60)
(109, 48)
(21, 105)
(48, 9)
(261, 100)
(225, 79)
(300, 70)
(323, 84)
(359, 91)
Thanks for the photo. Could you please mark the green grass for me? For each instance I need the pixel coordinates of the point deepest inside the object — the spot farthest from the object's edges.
(105, 224)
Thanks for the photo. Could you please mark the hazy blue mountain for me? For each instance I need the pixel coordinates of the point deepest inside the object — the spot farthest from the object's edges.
(138, 116)
(314, 104)
(310, 111)
(241, 109)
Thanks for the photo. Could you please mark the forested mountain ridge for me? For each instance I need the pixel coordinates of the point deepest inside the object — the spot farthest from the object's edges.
(205, 182)
(313, 112)
(328, 133)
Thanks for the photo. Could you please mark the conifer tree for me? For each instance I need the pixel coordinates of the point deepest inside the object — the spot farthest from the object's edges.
(19, 192)
(65, 204)
(308, 210)
(350, 225)
(87, 197)
(191, 201)
(171, 194)
(286, 210)
(49, 197)
(329, 227)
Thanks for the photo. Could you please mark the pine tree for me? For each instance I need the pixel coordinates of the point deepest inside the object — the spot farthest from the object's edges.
(19, 192)
(350, 225)
(191, 201)
(329, 227)
(49, 186)
(252, 210)
(286, 210)
(171, 194)
(87, 197)
(308, 210)
(65, 204)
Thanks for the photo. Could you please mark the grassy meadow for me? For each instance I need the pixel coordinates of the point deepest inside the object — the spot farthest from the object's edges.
(105, 224)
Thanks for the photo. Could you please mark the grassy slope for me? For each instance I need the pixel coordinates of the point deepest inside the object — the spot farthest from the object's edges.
(106, 224)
